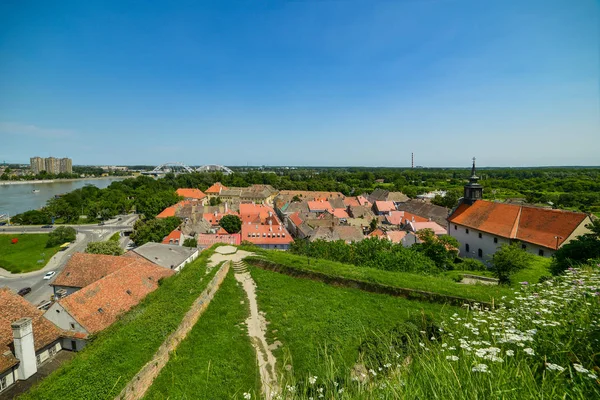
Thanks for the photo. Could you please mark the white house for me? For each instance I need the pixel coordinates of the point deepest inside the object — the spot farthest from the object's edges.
(481, 226)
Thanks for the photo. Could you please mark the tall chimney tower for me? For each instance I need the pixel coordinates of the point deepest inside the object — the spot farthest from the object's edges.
(24, 348)
(412, 160)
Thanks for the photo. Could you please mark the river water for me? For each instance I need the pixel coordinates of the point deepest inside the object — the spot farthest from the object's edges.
(18, 198)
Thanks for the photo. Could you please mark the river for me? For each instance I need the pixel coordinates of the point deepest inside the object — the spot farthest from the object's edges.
(15, 199)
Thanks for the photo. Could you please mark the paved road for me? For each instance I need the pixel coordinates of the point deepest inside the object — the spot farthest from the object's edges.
(40, 289)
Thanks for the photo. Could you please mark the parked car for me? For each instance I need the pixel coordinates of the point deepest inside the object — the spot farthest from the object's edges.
(49, 274)
(24, 291)
(47, 226)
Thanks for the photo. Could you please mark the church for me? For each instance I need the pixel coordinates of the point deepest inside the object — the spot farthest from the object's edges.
(482, 226)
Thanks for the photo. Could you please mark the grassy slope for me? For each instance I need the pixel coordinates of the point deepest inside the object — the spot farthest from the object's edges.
(216, 360)
(306, 316)
(24, 256)
(105, 366)
(538, 268)
(438, 284)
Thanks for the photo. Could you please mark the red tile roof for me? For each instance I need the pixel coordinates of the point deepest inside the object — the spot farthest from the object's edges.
(403, 217)
(206, 240)
(191, 194)
(385, 206)
(216, 188)
(175, 237)
(97, 306)
(377, 233)
(363, 201)
(83, 269)
(339, 213)
(351, 201)
(295, 218)
(436, 228)
(315, 205)
(257, 213)
(215, 219)
(265, 234)
(395, 236)
(171, 211)
(12, 308)
(529, 224)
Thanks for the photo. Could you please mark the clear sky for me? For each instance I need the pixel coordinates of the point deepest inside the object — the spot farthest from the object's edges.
(513, 82)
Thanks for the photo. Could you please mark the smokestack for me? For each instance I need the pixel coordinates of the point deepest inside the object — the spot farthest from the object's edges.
(24, 348)
(412, 160)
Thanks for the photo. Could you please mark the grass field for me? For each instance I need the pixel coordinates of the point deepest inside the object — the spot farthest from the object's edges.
(24, 255)
(437, 284)
(112, 358)
(309, 317)
(216, 360)
(539, 267)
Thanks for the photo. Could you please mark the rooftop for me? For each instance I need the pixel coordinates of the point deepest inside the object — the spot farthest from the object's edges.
(191, 194)
(165, 255)
(83, 269)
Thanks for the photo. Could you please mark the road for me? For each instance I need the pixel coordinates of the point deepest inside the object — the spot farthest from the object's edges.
(40, 289)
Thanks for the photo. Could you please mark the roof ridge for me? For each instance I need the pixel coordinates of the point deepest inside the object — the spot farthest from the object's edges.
(515, 229)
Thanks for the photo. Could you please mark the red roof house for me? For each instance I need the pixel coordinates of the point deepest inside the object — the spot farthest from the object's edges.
(191, 194)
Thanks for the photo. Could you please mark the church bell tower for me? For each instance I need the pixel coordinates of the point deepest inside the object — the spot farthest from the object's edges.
(473, 190)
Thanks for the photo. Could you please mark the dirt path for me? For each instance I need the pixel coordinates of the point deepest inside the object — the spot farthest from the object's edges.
(257, 328)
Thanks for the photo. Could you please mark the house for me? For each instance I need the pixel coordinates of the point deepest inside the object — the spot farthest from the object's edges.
(319, 206)
(424, 209)
(378, 233)
(192, 195)
(173, 257)
(27, 339)
(395, 236)
(176, 237)
(418, 226)
(206, 241)
(481, 226)
(267, 236)
(83, 269)
(402, 218)
(215, 190)
(339, 213)
(98, 305)
(351, 201)
(257, 213)
(346, 233)
(174, 210)
(361, 212)
(384, 207)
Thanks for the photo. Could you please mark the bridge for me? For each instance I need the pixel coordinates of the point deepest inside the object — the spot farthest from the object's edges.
(181, 168)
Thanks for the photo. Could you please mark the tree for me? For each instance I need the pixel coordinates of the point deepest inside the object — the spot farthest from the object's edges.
(153, 230)
(296, 198)
(32, 217)
(578, 251)
(214, 201)
(190, 242)
(508, 260)
(109, 247)
(450, 200)
(231, 223)
(60, 235)
(373, 224)
(442, 250)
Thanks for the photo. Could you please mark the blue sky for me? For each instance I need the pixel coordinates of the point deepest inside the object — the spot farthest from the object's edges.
(301, 82)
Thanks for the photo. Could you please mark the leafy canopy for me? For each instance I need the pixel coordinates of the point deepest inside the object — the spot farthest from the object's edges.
(508, 260)
(579, 251)
(60, 235)
(231, 223)
(109, 247)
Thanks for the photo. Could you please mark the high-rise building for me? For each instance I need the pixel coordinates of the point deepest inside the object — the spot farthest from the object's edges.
(66, 165)
(37, 165)
(52, 165)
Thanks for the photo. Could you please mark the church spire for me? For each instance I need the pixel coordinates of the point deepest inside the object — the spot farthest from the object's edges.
(473, 190)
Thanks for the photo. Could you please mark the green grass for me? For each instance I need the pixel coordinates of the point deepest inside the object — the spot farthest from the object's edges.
(115, 237)
(309, 317)
(216, 360)
(437, 284)
(24, 255)
(105, 366)
(532, 274)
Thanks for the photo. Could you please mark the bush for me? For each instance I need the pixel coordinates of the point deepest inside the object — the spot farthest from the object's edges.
(578, 251)
(190, 242)
(508, 260)
(60, 235)
(153, 230)
(110, 248)
(470, 264)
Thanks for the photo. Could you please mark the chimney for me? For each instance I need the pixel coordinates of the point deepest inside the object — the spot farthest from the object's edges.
(226, 207)
(216, 213)
(270, 222)
(24, 348)
(270, 214)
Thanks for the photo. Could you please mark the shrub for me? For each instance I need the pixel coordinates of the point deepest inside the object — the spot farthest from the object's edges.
(231, 223)
(190, 242)
(60, 235)
(578, 251)
(470, 264)
(508, 260)
(109, 247)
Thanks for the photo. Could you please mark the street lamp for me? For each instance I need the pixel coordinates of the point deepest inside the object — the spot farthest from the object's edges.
(557, 237)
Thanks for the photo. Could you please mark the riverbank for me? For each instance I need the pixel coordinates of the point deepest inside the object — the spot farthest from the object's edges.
(5, 183)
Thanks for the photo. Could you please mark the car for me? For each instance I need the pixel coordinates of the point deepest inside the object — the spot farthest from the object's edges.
(49, 274)
(24, 291)
(101, 223)
(47, 226)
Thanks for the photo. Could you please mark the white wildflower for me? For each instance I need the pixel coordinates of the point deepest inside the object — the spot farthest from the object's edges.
(529, 351)
(452, 358)
(480, 368)
(579, 368)
(554, 367)
(510, 353)
(247, 396)
(312, 380)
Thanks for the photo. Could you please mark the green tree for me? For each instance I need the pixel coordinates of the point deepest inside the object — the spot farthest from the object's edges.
(60, 235)
(153, 230)
(190, 242)
(32, 217)
(296, 198)
(442, 250)
(450, 200)
(231, 223)
(578, 251)
(214, 201)
(373, 224)
(109, 247)
(509, 259)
